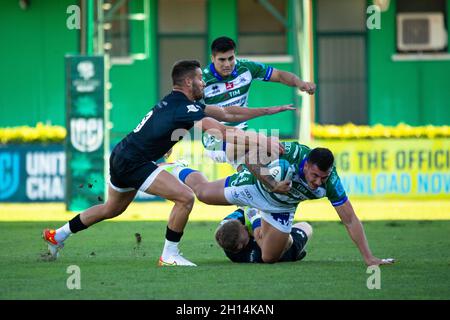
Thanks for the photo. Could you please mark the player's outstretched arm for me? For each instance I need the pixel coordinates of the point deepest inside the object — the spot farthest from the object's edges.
(239, 114)
(232, 135)
(356, 232)
(292, 80)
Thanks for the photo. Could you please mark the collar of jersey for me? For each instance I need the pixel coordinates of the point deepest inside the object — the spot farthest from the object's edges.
(300, 169)
(217, 75)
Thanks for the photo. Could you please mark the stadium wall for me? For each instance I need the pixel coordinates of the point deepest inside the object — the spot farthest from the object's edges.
(32, 61)
(32, 77)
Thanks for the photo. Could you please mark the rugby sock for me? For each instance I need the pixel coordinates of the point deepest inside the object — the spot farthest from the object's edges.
(76, 225)
(178, 171)
(254, 217)
(256, 223)
(171, 243)
(184, 173)
(63, 233)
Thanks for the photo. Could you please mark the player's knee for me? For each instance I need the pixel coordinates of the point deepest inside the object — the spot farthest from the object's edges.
(306, 227)
(268, 258)
(186, 198)
(203, 195)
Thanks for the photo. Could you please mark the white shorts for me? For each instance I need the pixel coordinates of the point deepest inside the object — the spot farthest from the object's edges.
(281, 221)
(280, 217)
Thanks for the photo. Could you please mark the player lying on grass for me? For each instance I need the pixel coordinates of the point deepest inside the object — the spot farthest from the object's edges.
(239, 235)
(132, 161)
(314, 177)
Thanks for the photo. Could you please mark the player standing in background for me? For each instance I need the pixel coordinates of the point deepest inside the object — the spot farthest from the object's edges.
(228, 81)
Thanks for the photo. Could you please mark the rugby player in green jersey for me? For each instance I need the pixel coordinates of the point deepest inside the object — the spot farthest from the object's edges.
(314, 177)
(228, 81)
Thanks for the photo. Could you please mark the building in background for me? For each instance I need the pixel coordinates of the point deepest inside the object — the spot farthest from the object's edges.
(399, 72)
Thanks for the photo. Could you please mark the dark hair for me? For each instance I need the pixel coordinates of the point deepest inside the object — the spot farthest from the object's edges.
(228, 235)
(222, 44)
(182, 69)
(322, 157)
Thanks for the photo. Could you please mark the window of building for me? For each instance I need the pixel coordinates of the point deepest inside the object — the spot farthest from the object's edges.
(261, 30)
(182, 34)
(341, 62)
(121, 29)
(117, 30)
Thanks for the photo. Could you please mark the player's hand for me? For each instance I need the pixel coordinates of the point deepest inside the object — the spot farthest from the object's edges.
(374, 261)
(277, 109)
(309, 87)
(282, 187)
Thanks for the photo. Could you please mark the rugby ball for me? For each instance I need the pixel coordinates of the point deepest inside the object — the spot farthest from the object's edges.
(281, 170)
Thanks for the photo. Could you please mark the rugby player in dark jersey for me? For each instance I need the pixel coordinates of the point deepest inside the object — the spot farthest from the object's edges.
(132, 161)
(239, 235)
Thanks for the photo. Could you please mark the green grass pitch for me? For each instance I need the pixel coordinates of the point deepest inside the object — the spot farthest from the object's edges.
(112, 266)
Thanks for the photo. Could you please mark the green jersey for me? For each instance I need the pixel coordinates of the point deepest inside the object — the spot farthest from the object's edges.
(233, 90)
(297, 155)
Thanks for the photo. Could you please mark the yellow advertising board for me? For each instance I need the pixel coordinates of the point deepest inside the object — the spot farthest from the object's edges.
(193, 153)
(395, 168)
(398, 168)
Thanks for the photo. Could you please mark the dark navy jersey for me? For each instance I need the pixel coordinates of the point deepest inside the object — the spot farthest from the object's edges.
(161, 128)
(251, 253)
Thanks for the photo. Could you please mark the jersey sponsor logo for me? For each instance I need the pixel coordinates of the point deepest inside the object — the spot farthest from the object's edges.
(242, 177)
(9, 174)
(86, 134)
(282, 218)
(215, 89)
(243, 79)
(248, 194)
(192, 108)
(240, 101)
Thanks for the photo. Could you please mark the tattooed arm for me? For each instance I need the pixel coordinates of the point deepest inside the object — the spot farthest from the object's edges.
(257, 162)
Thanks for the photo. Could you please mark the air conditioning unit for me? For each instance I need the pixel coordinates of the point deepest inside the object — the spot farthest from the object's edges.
(422, 31)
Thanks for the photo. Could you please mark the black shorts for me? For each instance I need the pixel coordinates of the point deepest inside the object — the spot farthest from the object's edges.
(295, 252)
(126, 174)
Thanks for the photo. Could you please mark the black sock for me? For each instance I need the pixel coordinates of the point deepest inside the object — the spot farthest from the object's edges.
(173, 235)
(76, 225)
